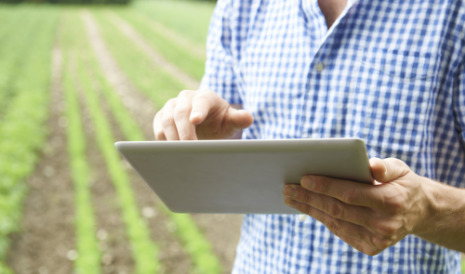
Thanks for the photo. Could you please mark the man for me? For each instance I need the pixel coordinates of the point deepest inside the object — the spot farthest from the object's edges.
(389, 72)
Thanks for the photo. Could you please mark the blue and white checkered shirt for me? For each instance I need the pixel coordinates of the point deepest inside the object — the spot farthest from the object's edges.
(389, 72)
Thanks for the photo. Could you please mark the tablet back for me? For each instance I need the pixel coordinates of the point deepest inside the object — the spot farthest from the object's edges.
(240, 176)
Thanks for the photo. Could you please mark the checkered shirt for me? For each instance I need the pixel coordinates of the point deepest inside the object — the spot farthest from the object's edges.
(391, 73)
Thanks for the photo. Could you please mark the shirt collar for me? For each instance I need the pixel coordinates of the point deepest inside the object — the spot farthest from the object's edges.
(350, 4)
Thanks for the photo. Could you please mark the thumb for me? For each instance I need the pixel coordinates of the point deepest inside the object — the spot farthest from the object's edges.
(239, 118)
(388, 170)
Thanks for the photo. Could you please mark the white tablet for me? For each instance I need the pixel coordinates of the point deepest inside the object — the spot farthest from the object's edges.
(240, 176)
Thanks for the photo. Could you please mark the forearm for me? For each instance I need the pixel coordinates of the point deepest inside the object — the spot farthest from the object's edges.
(445, 222)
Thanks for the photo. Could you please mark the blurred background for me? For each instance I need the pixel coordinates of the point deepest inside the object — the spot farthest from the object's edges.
(76, 76)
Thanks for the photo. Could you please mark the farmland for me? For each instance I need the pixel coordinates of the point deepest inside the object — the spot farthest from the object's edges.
(73, 80)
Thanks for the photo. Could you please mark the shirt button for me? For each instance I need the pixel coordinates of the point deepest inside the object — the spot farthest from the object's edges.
(302, 217)
(319, 67)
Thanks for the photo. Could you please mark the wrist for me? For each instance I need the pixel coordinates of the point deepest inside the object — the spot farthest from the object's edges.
(433, 207)
(444, 213)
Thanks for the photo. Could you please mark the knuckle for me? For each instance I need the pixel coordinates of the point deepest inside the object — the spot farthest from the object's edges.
(386, 230)
(320, 185)
(336, 210)
(184, 93)
(302, 208)
(351, 196)
(167, 120)
(400, 166)
(304, 195)
(387, 235)
(374, 245)
(332, 225)
(383, 243)
(396, 204)
(180, 112)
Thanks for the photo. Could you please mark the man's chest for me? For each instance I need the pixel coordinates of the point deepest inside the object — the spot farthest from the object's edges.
(289, 48)
(372, 74)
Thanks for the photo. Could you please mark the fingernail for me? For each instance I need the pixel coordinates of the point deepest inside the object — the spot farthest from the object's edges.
(290, 191)
(307, 182)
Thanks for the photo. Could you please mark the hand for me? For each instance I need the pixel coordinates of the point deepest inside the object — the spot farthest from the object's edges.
(368, 217)
(199, 114)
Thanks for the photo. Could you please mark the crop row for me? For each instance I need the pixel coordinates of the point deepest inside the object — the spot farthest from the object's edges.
(144, 250)
(88, 252)
(22, 131)
(14, 52)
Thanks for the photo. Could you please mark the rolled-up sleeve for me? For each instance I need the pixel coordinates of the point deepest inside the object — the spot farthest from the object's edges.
(219, 68)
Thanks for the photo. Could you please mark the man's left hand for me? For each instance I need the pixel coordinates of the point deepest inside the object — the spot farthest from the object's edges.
(370, 218)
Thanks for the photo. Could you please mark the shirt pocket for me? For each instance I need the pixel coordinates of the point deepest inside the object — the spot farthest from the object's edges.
(398, 88)
(400, 64)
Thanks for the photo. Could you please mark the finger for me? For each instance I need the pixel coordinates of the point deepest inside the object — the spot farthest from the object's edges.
(202, 104)
(349, 192)
(239, 118)
(329, 205)
(339, 227)
(167, 120)
(185, 128)
(356, 236)
(157, 128)
(388, 170)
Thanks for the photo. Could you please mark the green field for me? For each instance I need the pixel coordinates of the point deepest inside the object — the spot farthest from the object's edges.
(58, 80)
(73, 80)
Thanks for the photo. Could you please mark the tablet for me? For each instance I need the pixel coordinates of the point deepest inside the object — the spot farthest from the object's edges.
(240, 176)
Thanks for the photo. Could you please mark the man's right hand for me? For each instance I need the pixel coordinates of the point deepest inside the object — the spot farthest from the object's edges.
(199, 114)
